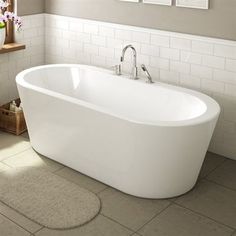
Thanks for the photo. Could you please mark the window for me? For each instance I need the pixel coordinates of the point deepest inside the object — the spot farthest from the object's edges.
(9, 26)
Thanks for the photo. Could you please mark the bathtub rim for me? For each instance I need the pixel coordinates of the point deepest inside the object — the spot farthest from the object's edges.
(212, 107)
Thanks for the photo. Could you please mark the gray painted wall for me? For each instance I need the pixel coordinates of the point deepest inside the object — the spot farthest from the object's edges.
(219, 21)
(29, 7)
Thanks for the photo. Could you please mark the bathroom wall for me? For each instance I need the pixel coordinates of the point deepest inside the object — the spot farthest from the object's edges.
(188, 60)
(14, 62)
(218, 21)
(204, 64)
(33, 36)
(29, 7)
(201, 63)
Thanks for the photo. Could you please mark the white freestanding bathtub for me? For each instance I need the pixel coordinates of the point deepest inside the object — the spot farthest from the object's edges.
(147, 140)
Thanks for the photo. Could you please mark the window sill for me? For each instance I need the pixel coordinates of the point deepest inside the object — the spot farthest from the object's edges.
(12, 47)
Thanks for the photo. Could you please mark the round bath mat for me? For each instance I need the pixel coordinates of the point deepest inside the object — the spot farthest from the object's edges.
(47, 199)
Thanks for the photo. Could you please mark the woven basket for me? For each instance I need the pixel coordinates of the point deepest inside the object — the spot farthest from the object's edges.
(12, 122)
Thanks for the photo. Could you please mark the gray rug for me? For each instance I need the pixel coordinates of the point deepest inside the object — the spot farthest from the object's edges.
(47, 199)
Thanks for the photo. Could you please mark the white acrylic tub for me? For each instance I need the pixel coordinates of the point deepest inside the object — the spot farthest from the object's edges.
(147, 140)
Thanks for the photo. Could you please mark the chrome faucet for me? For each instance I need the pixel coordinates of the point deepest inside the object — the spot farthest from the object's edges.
(134, 74)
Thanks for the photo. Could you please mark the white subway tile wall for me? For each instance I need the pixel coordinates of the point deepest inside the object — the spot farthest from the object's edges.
(204, 64)
(11, 63)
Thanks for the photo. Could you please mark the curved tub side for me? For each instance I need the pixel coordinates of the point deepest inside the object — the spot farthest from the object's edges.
(141, 160)
(167, 160)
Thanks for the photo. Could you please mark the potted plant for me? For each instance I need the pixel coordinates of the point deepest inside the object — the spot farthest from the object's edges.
(6, 16)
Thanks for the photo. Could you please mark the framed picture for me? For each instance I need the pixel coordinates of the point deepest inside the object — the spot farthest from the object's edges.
(159, 2)
(199, 4)
(129, 0)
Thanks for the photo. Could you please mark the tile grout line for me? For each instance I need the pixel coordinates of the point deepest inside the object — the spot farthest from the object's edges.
(219, 165)
(38, 230)
(199, 213)
(136, 234)
(2, 161)
(234, 233)
(117, 222)
(61, 168)
(19, 213)
(6, 164)
(107, 187)
(221, 185)
(159, 213)
(15, 223)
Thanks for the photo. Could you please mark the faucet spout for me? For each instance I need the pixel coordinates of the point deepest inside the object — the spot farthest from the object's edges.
(124, 51)
(135, 68)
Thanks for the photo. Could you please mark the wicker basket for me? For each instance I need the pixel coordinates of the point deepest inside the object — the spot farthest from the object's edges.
(12, 122)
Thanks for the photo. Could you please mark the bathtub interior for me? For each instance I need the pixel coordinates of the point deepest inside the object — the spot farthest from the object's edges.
(118, 95)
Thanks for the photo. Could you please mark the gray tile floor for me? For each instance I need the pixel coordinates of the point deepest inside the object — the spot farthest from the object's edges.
(209, 209)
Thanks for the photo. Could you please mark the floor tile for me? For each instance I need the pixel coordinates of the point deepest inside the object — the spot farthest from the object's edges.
(3, 167)
(211, 162)
(82, 180)
(8, 228)
(100, 226)
(11, 145)
(178, 221)
(212, 200)
(19, 219)
(225, 174)
(31, 158)
(25, 135)
(128, 210)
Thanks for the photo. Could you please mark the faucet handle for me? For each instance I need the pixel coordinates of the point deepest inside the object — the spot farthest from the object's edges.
(117, 69)
(145, 70)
